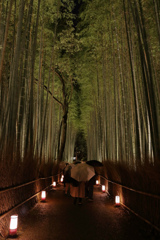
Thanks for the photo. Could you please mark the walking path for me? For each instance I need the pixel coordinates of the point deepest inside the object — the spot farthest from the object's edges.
(59, 219)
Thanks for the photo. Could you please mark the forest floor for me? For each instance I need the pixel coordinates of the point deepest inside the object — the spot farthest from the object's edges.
(59, 219)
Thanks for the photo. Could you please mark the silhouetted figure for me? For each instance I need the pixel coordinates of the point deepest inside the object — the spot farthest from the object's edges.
(89, 188)
(67, 179)
(78, 192)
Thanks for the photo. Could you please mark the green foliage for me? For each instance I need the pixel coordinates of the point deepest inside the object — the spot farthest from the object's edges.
(90, 51)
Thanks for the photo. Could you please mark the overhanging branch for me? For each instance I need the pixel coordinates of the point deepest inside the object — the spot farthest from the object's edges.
(46, 88)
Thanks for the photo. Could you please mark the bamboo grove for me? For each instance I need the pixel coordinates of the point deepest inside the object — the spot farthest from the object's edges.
(122, 39)
(96, 71)
(36, 83)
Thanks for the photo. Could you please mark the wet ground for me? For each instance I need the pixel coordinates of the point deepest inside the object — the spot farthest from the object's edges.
(59, 219)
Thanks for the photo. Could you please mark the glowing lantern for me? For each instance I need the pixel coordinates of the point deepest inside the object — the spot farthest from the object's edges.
(54, 184)
(43, 195)
(103, 188)
(96, 182)
(117, 200)
(13, 225)
(62, 179)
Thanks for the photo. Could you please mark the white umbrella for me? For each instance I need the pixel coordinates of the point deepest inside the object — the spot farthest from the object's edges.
(82, 172)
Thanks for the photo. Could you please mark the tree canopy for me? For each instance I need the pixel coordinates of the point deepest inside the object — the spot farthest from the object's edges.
(70, 67)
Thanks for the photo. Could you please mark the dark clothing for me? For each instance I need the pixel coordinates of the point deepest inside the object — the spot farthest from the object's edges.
(67, 176)
(79, 199)
(89, 187)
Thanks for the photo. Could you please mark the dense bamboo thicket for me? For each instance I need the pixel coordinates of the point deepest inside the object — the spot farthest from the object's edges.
(36, 82)
(121, 71)
(77, 73)
(79, 66)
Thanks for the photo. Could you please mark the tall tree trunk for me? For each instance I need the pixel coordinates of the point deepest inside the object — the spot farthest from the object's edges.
(147, 77)
(124, 116)
(34, 46)
(5, 39)
(139, 155)
(63, 132)
(23, 99)
(14, 84)
(157, 8)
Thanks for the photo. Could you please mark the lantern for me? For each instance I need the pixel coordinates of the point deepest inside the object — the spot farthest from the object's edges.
(54, 184)
(43, 195)
(13, 225)
(96, 182)
(117, 200)
(103, 188)
(62, 178)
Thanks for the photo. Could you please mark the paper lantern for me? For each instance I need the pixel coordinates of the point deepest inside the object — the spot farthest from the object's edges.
(97, 182)
(43, 195)
(54, 184)
(117, 200)
(103, 188)
(13, 225)
(61, 179)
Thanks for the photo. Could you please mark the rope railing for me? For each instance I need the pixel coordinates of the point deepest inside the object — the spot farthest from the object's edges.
(17, 206)
(28, 199)
(25, 184)
(22, 185)
(145, 220)
(137, 191)
(123, 186)
(131, 189)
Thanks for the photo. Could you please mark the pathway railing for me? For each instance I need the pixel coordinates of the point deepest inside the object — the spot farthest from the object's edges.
(144, 205)
(19, 199)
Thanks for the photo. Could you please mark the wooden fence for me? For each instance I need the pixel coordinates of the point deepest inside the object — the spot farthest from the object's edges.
(144, 205)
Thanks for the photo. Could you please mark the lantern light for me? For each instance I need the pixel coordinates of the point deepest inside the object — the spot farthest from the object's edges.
(103, 188)
(97, 182)
(61, 179)
(54, 184)
(117, 200)
(43, 195)
(13, 225)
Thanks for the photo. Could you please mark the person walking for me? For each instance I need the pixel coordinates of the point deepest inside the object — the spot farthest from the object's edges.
(78, 192)
(89, 188)
(67, 179)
